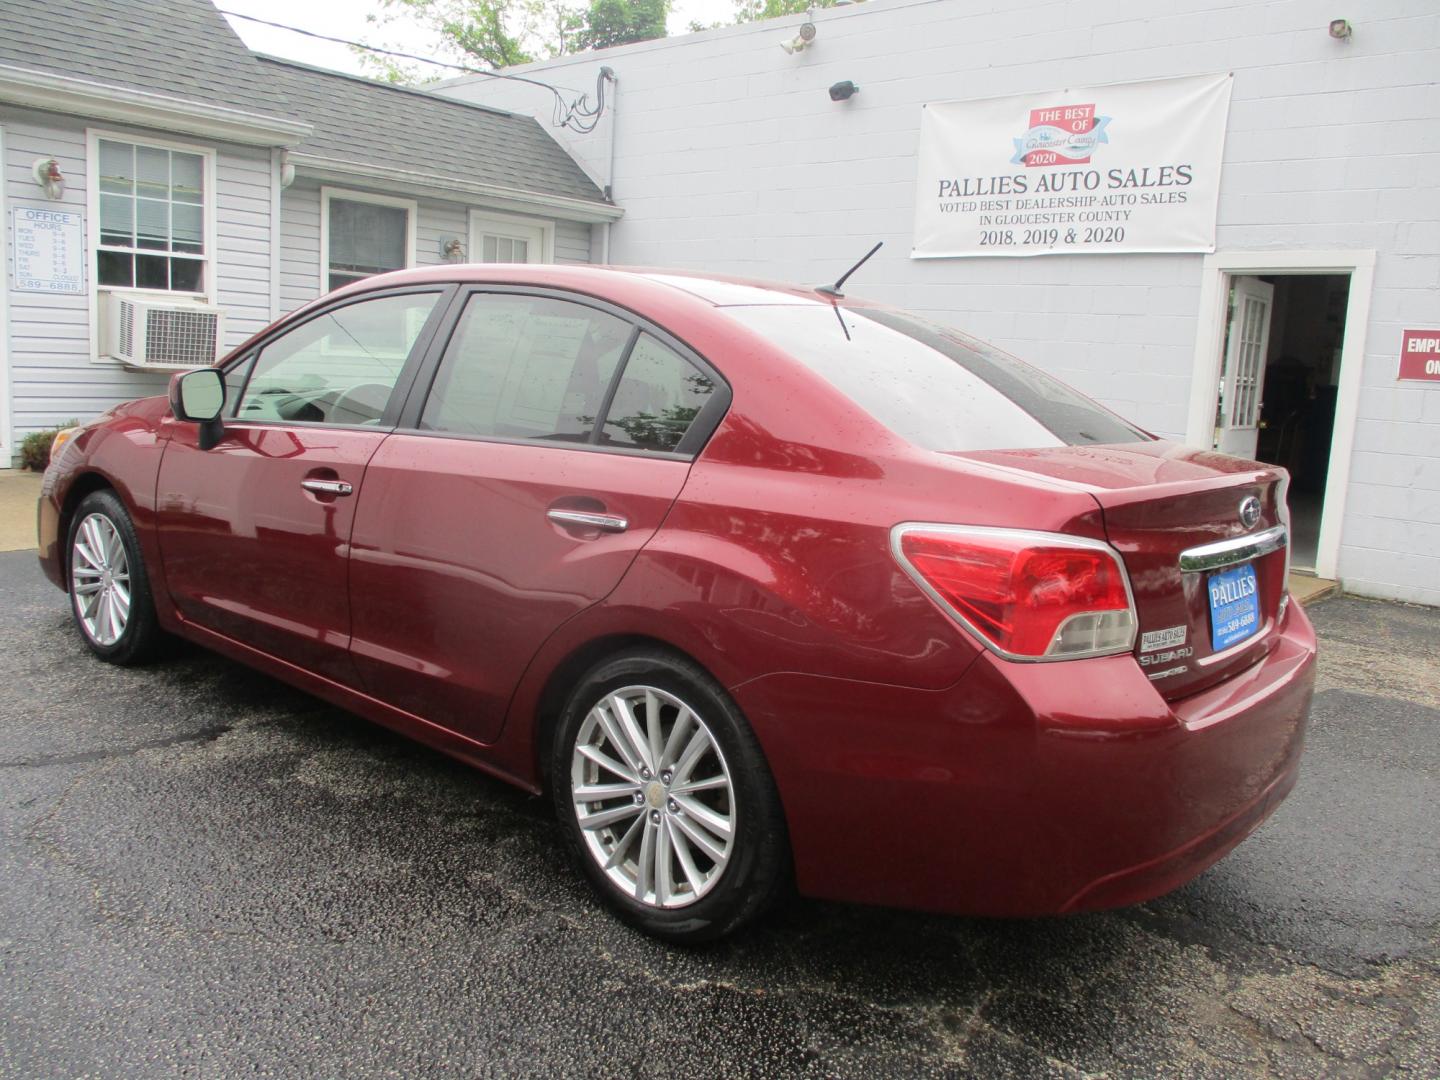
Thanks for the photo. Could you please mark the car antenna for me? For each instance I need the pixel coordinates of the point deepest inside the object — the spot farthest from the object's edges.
(834, 290)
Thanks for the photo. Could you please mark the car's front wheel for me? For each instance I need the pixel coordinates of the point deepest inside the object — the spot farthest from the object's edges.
(665, 798)
(109, 589)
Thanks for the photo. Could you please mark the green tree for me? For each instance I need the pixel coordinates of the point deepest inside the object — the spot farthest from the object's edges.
(619, 22)
(756, 10)
(502, 33)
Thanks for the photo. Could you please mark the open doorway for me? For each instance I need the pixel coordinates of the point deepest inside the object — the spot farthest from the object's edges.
(1279, 386)
(1220, 272)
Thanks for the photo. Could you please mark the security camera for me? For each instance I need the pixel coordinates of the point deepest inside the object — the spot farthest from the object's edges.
(801, 41)
(843, 91)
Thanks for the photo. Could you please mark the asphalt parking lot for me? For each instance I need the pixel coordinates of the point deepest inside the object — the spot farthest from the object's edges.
(205, 873)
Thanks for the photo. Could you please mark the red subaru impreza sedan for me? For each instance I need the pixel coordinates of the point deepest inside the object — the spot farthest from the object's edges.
(765, 585)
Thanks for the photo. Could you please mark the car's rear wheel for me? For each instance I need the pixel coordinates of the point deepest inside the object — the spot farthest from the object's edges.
(109, 589)
(665, 798)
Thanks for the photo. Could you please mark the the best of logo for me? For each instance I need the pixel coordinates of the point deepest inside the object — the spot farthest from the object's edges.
(1061, 135)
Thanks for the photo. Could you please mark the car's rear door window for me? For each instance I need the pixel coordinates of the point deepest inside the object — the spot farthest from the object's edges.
(523, 366)
(659, 395)
(526, 367)
(934, 386)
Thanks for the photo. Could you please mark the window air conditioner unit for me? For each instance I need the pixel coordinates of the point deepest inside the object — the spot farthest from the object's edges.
(154, 334)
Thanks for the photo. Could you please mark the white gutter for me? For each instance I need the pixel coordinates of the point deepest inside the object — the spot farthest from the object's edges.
(610, 172)
(277, 186)
(101, 101)
(448, 188)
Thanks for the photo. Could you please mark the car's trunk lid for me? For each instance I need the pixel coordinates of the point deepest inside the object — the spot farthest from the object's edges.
(1159, 500)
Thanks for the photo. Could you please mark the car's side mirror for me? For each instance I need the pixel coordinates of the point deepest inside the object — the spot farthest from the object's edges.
(199, 397)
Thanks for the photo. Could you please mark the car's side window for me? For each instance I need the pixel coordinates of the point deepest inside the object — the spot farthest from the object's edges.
(526, 367)
(659, 395)
(338, 367)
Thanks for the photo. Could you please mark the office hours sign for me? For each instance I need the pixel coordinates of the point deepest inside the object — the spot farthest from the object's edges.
(49, 250)
(1123, 168)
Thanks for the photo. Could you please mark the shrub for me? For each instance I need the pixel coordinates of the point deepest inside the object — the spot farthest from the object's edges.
(35, 447)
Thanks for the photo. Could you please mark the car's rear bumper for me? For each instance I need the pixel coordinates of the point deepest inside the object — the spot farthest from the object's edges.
(1029, 789)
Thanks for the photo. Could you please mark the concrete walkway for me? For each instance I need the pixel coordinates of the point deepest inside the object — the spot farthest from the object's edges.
(19, 491)
(1308, 588)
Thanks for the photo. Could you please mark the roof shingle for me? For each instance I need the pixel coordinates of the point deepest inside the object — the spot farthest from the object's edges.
(374, 123)
(185, 49)
(179, 48)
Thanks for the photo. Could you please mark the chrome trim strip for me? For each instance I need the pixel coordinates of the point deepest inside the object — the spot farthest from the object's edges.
(604, 522)
(327, 487)
(898, 532)
(1230, 552)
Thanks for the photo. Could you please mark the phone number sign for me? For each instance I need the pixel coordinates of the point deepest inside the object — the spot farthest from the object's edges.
(1100, 169)
(1420, 355)
(49, 250)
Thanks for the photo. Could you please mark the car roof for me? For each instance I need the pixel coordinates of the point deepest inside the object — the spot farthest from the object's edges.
(715, 290)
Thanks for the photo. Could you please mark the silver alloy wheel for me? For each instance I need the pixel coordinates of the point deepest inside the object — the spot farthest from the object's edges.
(100, 580)
(652, 794)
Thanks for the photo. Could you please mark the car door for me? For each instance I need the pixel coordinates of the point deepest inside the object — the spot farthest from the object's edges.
(554, 439)
(254, 530)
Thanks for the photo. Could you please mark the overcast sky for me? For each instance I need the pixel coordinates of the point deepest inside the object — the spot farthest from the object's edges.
(347, 19)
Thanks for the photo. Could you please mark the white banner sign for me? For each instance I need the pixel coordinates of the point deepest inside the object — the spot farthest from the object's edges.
(1130, 167)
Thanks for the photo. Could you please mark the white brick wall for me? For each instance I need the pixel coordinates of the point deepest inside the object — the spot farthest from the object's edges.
(730, 156)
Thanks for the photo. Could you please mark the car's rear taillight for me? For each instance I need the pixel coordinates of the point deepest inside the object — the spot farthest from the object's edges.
(1026, 595)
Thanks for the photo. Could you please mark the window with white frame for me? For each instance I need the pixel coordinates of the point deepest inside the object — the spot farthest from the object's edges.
(364, 235)
(153, 203)
(502, 239)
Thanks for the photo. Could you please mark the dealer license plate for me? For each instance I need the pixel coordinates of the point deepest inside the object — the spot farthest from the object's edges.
(1234, 605)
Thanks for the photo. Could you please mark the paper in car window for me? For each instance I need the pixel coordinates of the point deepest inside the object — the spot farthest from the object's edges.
(544, 360)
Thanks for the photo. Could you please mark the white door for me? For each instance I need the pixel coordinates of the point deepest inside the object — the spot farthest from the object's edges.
(1243, 383)
(501, 239)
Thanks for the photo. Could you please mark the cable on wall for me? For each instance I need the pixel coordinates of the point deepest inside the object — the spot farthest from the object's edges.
(577, 114)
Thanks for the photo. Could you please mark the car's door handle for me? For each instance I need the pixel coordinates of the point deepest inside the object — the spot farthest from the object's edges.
(327, 487)
(604, 522)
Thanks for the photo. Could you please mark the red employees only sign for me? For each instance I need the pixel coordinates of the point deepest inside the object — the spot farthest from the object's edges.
(1420, 355)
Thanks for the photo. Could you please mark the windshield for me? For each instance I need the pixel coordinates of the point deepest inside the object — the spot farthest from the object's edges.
(933, 385)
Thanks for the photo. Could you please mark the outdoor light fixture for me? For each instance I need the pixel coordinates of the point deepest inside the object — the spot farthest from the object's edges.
(452, 249)
(47, 174)
(1340, 29)
(805, 38)
(843, 91)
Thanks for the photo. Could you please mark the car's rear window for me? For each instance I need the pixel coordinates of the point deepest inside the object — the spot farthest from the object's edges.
(935, 386)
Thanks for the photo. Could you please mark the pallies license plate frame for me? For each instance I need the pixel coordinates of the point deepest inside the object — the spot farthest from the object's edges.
(1234, 596)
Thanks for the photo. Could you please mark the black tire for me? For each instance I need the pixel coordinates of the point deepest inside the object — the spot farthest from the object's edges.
(141, 635)
(758, 868)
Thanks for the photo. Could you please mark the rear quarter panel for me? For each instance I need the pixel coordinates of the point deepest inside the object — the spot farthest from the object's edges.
(776, 558)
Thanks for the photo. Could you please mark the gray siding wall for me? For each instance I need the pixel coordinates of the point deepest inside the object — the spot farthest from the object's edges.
(299, 245)
(436, 222)
(52, 378)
